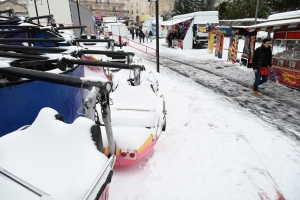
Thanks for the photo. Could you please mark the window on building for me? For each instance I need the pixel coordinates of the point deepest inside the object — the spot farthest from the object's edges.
(125, 1)
(137, 11)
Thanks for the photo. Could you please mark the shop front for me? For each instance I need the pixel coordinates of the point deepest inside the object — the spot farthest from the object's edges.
(286, 57)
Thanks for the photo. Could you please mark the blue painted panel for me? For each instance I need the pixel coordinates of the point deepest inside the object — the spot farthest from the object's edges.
(20, 104)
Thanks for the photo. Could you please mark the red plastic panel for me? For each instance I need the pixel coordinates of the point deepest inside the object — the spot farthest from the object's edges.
(293, 35)
(279, 35)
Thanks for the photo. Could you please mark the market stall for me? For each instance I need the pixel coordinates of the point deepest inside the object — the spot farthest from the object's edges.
(184, 27)
(285, 46)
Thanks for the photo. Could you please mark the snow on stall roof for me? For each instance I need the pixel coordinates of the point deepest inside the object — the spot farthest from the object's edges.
(201, 13)
(273, 23)
(58, 158)
(285, 15)
(242, 20)
(174, 21)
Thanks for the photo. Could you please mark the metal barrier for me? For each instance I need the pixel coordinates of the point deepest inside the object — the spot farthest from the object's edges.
(90, 30)
(138, 46)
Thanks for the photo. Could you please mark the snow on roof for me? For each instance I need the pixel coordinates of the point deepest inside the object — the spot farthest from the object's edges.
(202, 13)
(290, 23)
(244, 20)
(285, 15)
(58, 158)
(175, 21)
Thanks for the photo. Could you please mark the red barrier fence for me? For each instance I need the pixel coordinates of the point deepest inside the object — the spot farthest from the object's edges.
(139, 46)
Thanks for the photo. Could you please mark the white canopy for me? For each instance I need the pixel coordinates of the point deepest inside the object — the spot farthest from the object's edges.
(174, 21)
(271, 25)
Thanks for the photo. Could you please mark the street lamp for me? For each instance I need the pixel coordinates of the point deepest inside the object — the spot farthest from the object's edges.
(157, 36)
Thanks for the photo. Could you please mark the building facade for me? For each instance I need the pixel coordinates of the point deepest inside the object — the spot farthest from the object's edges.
(138, 9)
(108, 8)
(164, 7)
(19, 9)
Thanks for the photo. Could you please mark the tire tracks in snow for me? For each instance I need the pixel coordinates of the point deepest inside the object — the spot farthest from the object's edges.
(277, 113)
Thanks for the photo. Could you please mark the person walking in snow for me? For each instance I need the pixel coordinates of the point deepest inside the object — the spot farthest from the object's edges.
(170, 39)
(150, 35)
(137, 33)
(261, 63)
(142, 36)
(132, 33)
(147, 36)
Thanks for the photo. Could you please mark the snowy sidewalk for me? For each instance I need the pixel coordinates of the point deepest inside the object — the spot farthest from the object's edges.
(212, 149)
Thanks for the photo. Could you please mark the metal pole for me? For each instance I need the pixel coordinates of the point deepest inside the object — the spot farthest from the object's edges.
(37, 14)
(78, 12)
(48, 7)
(257, 4)
(157, 37)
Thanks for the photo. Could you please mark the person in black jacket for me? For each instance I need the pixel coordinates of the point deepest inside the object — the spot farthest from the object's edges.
(150, 35)
(137, 33)
(262, 58)
(170, 39)
(132, 33)
(141, 36)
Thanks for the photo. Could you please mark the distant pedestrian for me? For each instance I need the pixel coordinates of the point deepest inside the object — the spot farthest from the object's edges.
(150, 35)
(132, 33)
(146, 36)
(261, 63)
(170, 39)
(137, 33)
(141, 36)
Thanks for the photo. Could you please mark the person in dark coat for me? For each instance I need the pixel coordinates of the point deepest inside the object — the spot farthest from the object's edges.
(262, 58)
(132, 33)
(137, 33)
(141, 36)
(150, 35)
(170, 39)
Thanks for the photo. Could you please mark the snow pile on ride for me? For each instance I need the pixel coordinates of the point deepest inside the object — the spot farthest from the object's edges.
(58, 158)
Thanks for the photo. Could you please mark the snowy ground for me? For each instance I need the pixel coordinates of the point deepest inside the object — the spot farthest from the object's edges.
(220, 142)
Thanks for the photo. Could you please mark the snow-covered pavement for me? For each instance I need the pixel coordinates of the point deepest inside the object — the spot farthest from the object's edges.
(214, 147)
